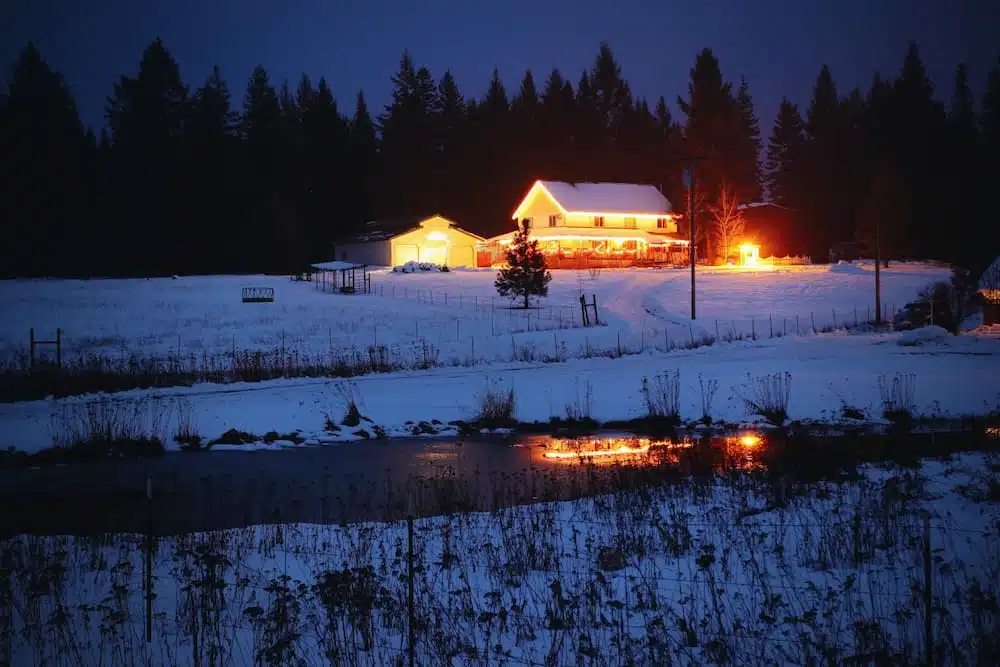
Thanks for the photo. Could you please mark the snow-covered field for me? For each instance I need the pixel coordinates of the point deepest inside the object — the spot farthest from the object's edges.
(953, 377)
(734, 570)
(455, 314)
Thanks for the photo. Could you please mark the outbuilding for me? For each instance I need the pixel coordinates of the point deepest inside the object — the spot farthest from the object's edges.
(434, 239)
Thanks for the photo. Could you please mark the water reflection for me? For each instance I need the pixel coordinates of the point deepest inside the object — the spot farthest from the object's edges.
(743, 451)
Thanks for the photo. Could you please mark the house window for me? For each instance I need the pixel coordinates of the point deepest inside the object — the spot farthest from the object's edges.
(598, 221)
(553, 220)
(629, 223)
(661, 223)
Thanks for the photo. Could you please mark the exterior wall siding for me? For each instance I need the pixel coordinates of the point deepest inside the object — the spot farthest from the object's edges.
(373, 253)
(644, 223)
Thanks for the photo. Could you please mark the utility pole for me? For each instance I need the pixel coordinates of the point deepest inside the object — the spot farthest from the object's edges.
(878, 278)
(688, 177)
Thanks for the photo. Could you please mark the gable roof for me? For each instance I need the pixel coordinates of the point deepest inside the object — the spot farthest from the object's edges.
(383, 230)
(761, 204)
(601, 198)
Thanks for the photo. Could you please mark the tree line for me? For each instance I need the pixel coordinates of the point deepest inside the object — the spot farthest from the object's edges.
(184, 180)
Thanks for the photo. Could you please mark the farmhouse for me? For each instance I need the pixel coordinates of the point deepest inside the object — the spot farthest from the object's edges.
(596, 224)
(433, 239)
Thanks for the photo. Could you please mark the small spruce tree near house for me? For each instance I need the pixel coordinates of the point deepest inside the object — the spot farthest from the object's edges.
(526, 274)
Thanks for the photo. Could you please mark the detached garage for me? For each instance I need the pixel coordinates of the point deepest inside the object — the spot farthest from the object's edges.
(436, 240)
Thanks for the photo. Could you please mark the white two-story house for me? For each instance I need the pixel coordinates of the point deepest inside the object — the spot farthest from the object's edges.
(621, 223)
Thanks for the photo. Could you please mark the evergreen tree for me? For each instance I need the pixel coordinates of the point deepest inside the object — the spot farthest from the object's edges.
(262, 127)
(989, 123)
(526, 274)
(746, 175)
(529, 144)
(554, 121)
(42, 165)
(325, 151)
(146, 115)
(883, 212)
(363, 154)
(784, 156)
(964, 181)
(451, 154)
(710, 131)
(408, 141)
(824, 169)
(211, 132)
(613, 110)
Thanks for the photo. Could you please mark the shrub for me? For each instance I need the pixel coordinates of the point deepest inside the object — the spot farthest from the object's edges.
(708, 390)
(896, 394)
(663, 396)
(496, 407)
(187, 435)
(111, 428)
(767, 396)
(579, 409)
(352, 415)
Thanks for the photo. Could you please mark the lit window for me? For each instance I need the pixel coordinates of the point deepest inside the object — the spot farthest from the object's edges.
(629, 223)
(661, 223)
(553, 220)
(598, 221)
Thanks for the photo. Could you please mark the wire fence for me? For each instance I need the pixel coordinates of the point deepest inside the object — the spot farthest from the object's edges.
(632, 583)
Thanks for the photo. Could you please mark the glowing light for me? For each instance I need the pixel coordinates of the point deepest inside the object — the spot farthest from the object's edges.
(538, 186)
(608, 450)
(749, 440)
(437, 236)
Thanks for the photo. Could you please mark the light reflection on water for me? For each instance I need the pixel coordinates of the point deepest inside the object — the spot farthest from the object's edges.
(742, 451)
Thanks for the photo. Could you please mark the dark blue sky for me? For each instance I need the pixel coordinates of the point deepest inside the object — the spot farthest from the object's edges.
(778, 44)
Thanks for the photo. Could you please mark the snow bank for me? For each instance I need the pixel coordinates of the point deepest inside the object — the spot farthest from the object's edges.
(847, 267)
(414, 267)
(972, 322)
(924, 335)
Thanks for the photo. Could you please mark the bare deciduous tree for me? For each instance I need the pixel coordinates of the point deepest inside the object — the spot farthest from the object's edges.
(729, 222)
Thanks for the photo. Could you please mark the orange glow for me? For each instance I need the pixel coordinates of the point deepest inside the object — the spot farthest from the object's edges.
(749, 254)
(749, 440)
(607, 450)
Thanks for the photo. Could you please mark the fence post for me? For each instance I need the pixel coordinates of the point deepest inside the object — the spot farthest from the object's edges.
(597, 320)
(691, 333)
(797, 324)
(717, 340)
(753, 329)
(770, 324)
(834, 311)
(445, 299)
(149, 560)
(812, 318)
(928, 629)
(457, 335)
(410, 647)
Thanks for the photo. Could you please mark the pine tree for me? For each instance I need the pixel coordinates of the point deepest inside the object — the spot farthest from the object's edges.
(325, 151)
(964, 179)
(746, 176)
(526, 274)
(42, 144)
(784, 156)
(262, 127)
(146, 115)
(989, 123)
(211, 133)
(363, 153)
(554, 121)
(451, 152)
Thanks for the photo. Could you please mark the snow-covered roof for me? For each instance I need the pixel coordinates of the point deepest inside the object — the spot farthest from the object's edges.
(336, 266)
(595, 233)
(606, 198)
(759, 204)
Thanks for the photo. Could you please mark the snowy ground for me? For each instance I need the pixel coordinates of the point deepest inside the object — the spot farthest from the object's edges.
(951, 377)
(455, 314)
(733, 570)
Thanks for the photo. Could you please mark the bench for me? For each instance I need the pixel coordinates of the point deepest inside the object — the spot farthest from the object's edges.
(258, 294)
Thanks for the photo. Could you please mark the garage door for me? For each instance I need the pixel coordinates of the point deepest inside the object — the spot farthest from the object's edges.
(433, 255)
(462, 255)
(404, 254)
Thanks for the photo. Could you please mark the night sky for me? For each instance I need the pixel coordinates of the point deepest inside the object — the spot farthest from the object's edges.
(778, 44)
